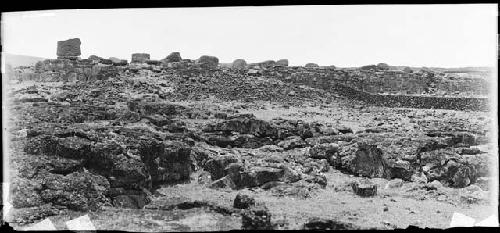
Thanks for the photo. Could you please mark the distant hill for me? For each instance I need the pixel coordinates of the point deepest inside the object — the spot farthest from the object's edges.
(15, 60)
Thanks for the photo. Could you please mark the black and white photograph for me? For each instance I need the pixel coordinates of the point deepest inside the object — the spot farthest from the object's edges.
(280, 117)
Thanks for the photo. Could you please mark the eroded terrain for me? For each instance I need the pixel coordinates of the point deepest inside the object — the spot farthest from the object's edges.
(169, 151)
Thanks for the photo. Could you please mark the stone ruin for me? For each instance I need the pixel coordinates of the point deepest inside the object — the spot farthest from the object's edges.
(140, 57)
(69, 49)
(282, 62)
(239, 64)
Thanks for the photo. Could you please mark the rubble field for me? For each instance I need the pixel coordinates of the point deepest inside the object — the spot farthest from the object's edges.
(173, 148)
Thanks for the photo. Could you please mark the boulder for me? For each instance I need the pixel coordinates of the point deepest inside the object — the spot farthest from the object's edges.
(140, 57)
(367, 161)
(242, 201)
(256, 218)
(282, 62)
(208, 61)
(292, 142)
(80, 191)
(216, 166)
(324, 151)
(69, 48)
(239, 64)
(327, 224)
(173, 57)
(168, 161)
(364, 188)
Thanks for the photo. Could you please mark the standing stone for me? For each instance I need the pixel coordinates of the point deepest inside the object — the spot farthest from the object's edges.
(239, 64)
(282, 62)
(208, 61)
(369, 161)
(174, 57)
(69, 48)
(140, 57)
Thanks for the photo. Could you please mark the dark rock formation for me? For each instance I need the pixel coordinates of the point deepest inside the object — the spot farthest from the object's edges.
(140, 57)
(327, 224)
(367, 161)
(208, 61)
(69, 48)
(256, 218)
(173, 57)
(282, 62)
(364, 188)
(239, 64)
(243, 201)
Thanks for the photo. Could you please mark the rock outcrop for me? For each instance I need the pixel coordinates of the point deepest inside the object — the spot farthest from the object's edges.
(239, 64)
(208, 61)
(69, 48)
(140, 57)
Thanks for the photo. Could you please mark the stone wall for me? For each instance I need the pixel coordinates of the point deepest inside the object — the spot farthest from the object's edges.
(325, 80)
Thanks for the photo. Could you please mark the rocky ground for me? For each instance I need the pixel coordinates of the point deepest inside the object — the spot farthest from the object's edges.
(219, 151)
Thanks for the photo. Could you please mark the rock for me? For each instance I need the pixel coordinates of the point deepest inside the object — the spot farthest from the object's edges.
(317, 179)
(401, 169)
(140, 57)
(233, 172)
(282, 62)
(382, 66)
(395, 183)
(419, 178)
(324, 151)
(95, 59)
(173, 57)
(243, 201)
(208, 61)
(367, 161)
(327, 224)
(224, 182)
(292, 142)
(434, 185)
(364, 188)
(25, 193)
(470, 151)
(311, 65)
(344, 129)
(267, 64)
(78, 191)
(239, 64)
(130, 201)
(216, 166)
(256, 218)
(69, 48)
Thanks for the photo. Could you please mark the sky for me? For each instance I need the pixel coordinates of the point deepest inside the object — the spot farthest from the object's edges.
(344, 36)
